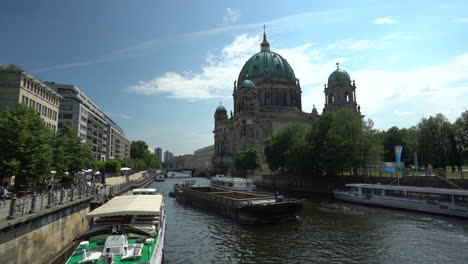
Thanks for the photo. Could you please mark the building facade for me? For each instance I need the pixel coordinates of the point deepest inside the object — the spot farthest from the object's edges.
(184, 162)
(203, 160)
(169, 159)
(267, 98)
(19, 86)
(158, 153)
(105, 137)
(118, 143)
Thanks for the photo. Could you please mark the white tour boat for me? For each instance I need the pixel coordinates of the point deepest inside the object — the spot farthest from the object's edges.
(233, 183)
(453, 202)
(126, 229)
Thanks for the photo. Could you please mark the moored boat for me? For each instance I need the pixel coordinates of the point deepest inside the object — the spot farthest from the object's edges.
(126, 229)
(452, 202)
(244, 207)
(159, 177)
(233, 183)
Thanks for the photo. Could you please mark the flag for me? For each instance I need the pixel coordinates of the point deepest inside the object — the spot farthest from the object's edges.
(398, 150)
(416, 166)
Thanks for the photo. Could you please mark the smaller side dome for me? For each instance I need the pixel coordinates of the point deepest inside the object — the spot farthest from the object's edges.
(247, 84)
(339, 75)
(220, 109)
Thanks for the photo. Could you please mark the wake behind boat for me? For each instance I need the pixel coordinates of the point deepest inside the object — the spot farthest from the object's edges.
(452, 202)
(126, 229)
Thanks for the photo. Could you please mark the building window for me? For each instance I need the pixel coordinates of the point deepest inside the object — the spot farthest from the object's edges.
(49, 113)
(25, 100)
(38, 108)
(66, 116)
(44, 110)
(66, 107)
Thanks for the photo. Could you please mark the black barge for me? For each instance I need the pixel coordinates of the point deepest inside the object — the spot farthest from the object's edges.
(247, 208)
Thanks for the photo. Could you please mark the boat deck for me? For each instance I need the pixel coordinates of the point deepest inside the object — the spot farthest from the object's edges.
(95, 246)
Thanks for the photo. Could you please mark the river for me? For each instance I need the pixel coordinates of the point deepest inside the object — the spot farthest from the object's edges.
(327, 232)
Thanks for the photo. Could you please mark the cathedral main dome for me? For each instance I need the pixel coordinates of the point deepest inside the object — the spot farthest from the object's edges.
(339, 75)
(266, 64)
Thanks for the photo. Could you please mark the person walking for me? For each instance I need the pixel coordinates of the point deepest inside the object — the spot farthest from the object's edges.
(3, 195)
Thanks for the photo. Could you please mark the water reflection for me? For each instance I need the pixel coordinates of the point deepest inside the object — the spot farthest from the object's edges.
(327, 232)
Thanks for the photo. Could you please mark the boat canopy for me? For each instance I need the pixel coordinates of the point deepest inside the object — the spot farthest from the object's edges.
(129, 205)
(410, 188)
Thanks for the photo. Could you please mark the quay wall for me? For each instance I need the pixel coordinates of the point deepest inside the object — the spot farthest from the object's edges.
(309, 186)
(45, 236)
(124, 178)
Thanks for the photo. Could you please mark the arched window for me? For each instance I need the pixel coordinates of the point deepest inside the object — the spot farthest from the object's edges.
(347, 97)
(332, 98)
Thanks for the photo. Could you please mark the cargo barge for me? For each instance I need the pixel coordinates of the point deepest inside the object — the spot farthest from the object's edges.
(247, 208)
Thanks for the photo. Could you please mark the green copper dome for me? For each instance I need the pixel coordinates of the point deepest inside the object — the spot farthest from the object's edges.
(339, 75)
(220, 108)
(266, 64)
(247, 84)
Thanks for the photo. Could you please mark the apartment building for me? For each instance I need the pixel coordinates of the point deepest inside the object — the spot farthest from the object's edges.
(19, 86)
(86, 117)
(158, 153)
(118, 143)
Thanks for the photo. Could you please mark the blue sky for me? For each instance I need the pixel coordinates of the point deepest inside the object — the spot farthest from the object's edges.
(160, 68)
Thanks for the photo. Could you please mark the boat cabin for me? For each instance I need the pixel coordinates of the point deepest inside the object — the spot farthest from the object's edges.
(144, 191)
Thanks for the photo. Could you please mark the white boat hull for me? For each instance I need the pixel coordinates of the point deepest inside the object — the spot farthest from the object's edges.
(407, 204)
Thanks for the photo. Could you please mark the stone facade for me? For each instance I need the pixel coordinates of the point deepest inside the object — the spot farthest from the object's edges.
(184, 161)
(203, 160)
(18, 86)
(267, 98)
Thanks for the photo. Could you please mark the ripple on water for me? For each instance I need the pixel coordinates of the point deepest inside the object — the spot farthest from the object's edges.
(328, 232)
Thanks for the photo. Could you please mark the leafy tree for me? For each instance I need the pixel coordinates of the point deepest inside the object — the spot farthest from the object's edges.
(286, 148)
(112, 166)
(151, 161)
(138, 150)
(461, 135)
(248, 159)
(434, 141)
(69, 153)
(26, 150)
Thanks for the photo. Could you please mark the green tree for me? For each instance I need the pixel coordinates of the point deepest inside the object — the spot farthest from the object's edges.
(69, 153)
(461, 135)
(151, 161)
(248, 159)
(26, 150)
(434, 141)
(112, 166)
(138, 149)
(287, 148)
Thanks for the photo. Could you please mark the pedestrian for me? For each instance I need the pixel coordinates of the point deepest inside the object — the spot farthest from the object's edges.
(3, 195)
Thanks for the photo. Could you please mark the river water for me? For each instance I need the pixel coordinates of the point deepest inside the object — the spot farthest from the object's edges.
(327, 232)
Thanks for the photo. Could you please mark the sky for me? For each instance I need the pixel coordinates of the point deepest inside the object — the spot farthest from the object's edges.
(160, 68)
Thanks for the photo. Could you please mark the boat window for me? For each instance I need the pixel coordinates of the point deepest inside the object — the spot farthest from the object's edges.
(230, 184)
(439, 197)
(417, 195)
(351, 189)
(378, 192)
(366, 191)
(461, 200)
(395, 193)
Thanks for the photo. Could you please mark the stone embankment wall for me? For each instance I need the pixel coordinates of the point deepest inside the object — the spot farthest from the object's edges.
(45, 236)
(125, 178)
(325, 185)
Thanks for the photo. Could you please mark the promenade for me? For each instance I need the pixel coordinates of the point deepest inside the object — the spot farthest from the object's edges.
(36, 202)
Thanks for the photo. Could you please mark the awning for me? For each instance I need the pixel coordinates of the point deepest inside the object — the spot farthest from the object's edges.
(129, 205)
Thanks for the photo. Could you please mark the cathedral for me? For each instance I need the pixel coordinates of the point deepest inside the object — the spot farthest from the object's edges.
(267, 98)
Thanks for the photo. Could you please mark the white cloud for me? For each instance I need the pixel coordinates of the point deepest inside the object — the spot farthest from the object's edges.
(231, 15)
(443, 87)
(118, 115)
(215, 79)
(384, 20)
(460, 20)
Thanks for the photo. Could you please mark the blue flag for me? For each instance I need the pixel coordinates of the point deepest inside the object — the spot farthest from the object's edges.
(398, 150)
(416, 166)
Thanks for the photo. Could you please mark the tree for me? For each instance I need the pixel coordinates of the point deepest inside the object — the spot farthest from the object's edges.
(138, 150)
(248, 159)
(26, 150)
(151, 161)
(69, 153)
(461, 135)
(112, 166)
(400, 137)
(287, 148)
(434, 141)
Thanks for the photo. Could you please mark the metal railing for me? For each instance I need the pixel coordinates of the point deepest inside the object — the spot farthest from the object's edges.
(38, 201)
